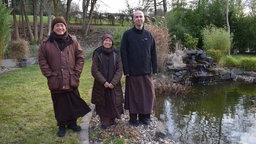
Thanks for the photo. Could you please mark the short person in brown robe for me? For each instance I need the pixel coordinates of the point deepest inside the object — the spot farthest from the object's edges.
(139, 58)
(61, 61)
(107, 92)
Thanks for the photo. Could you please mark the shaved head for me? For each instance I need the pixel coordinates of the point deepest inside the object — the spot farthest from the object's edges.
(138, 12)
(138, 19)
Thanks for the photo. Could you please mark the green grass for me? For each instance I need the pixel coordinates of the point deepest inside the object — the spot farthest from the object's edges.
(239, 56)
(26, 110)
(246, 62)
(30, 17)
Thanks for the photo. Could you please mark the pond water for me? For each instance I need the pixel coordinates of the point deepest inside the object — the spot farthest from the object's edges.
(222, 113)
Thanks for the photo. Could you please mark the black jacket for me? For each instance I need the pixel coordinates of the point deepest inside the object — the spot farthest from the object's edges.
(138, 52)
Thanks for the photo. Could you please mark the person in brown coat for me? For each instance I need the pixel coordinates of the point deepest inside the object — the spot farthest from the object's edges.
(107, 92)
(61, 61)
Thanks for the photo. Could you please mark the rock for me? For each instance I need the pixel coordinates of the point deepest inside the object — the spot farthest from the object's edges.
(161, 131)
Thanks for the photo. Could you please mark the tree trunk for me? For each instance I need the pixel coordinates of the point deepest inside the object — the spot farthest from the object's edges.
(68, 10)
(227, 18)
(93, 3)
(155, 13)
(49, 13)
(85, 9)
(15, 23)
(49, 24)
(23, 21)
(27, 21)
(56, 7)
(35, 7)
(41, 25)
(164, 6)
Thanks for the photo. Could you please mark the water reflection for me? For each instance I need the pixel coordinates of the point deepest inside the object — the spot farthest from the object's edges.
(214, 114)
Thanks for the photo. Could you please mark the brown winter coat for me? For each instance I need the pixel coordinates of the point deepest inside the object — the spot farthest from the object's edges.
(98, 92)
(62, 68)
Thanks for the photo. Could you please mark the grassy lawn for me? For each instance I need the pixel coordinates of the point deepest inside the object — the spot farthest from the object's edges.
(239, 56)
(26, 110)
(242, 61)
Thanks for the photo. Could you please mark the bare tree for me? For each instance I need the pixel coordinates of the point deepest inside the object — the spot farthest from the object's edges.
(50, 16)
(22, 20)
(147, 6)
(93, 3)
(15, 23)
(165, 6)
(35, 14)
(31, 35)
(47, 6)
(85, 9)
(68, 10)
(227, 19)
(155, 8)
(56, 7)
(41, 25)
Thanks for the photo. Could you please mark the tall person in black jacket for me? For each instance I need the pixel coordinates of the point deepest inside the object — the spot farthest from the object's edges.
(139, 58)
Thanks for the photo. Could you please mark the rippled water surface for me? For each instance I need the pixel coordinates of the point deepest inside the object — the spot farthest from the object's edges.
(224, 113)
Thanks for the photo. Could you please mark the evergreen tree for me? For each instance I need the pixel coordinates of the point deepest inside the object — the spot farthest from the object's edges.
(5, 29)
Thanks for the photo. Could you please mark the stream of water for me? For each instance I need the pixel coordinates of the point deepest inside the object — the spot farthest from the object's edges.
(222, 113)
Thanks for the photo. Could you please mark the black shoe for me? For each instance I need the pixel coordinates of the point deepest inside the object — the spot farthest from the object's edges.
(114, 123)
(134, 123)
(145, 121)
(75, 128)
(62, 131)
(103, 126)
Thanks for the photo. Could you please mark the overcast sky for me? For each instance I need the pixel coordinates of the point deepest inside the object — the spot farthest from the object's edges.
(112, 6)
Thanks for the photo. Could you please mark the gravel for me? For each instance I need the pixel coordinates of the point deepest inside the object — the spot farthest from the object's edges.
(142, 134)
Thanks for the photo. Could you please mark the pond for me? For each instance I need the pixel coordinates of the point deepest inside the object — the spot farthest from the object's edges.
(222, 113)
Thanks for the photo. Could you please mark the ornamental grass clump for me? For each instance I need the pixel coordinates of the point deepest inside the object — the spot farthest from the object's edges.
(248, 63)
(161, 36)
(19, 50)
(217, 42)
(230, 61)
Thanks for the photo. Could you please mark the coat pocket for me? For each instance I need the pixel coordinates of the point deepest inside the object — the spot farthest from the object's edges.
(53, 83)
(74, 80)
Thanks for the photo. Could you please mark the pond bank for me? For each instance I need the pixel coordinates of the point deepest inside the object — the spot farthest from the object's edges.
(154, 133)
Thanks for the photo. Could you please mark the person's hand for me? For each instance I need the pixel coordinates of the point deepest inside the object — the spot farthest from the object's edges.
(111, 86)
(106, 84)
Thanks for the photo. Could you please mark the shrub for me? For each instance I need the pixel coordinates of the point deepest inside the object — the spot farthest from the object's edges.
(248, 63)
(161, 36)
(190, 42)
(117, 34)
(215, 54)
(216, 39)
(19, 49)
(230, 61)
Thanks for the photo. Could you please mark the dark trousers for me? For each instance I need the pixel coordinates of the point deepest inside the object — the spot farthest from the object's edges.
(64, 123)
(107, 121)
